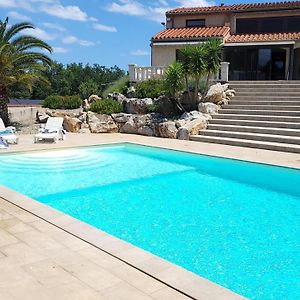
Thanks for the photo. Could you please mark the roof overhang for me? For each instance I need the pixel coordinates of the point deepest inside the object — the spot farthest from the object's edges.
(277, 43)
(177, 43)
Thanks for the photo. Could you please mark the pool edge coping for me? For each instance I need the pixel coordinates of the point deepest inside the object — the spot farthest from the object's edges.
(170, 274)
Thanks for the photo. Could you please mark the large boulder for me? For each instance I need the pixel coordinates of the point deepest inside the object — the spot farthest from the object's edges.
(121, 118)
(41, 117)
(208, 108)
(129, 127)
(94, 98)
(192, 115)
(118, 97)
(166, 106)
(101, 123)
(167, 129)
(130, 92)
(188, 100)
(146, 130)
(191, 128)
(216, 93)
(73, 113)
(72, 124)
(137, 106)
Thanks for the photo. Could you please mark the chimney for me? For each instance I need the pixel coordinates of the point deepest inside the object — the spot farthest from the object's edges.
(222, 4)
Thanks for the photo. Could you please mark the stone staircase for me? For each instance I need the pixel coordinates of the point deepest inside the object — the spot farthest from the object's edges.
(264, 114)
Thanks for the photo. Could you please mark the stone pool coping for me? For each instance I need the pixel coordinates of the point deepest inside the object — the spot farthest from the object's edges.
(170, 274)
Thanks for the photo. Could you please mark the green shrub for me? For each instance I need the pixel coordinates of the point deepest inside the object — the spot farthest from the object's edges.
(119, 86)
(106, 107)
(152, 108)
(88, 88)
(151, 88)
(62, 102)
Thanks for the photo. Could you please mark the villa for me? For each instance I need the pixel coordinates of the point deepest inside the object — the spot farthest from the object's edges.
(262, 40)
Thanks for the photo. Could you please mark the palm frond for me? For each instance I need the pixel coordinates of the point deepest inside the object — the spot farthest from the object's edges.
(12, 31)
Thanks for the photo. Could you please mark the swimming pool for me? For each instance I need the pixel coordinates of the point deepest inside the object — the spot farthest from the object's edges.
(232, 222)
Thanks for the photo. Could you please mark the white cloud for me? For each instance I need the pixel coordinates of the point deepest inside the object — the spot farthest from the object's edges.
(50, 7)
(74, 40)
(69, 12)
(128, 7)
(60, 50)
(194, 3)
(40, 33)
(55, 26)
(102, 27)
(93, 19)
(156, 11)
(140, 52)
(17, 16)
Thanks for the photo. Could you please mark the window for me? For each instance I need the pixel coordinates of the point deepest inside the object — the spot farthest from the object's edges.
(271, 25)
(195, 23)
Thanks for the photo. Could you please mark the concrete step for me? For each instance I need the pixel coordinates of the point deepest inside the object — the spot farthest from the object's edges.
(265, 81)
(254, 129)
(267, 97)
(258, 117)
(260, 112)
(252, 136)
(261, 107)
(263, 85)
(253, 123)
(261, 93)
(269, 89)
(268, 102)
(247, 143)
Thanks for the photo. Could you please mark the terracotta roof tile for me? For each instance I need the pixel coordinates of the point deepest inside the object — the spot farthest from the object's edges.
(235, 8)
(263, 37)
(190, 33)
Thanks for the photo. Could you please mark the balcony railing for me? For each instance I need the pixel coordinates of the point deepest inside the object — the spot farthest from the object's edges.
(138, 74)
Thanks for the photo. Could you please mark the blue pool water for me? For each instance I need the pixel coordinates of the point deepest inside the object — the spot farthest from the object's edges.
(232, 222)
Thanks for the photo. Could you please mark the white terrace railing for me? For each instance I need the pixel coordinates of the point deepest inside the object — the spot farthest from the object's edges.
(138, 74)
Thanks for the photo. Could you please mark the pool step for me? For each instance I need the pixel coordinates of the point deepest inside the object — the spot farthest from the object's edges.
(247, 143)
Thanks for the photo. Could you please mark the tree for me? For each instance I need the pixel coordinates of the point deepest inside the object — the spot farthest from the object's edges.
(174, 81)
(198, 65)
(185, 57)
(88, 88)
(19, 64)
(213, 52)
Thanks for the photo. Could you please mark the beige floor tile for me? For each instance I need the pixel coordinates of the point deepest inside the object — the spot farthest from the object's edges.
(124, 291)
(6, 238)
(168, 294)
(92, 275)
(137, 279)
(100, 258)
(22, 254)
(49, 273)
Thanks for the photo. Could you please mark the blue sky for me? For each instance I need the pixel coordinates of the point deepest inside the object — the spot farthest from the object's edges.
(96, 31)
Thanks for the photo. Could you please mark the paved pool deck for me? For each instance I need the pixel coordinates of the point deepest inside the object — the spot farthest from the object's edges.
(45, 254)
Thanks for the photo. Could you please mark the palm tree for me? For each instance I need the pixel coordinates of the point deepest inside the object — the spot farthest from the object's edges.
(19, 63)
(184, 57)
(213, 52)
(198, 65)
(174, 82)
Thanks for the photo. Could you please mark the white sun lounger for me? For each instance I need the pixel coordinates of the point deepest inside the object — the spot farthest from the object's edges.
(53, 130)
(8, 133)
